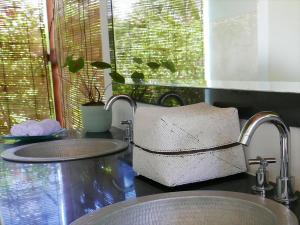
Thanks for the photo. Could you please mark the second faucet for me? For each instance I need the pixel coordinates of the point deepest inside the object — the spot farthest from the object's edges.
(132, 103)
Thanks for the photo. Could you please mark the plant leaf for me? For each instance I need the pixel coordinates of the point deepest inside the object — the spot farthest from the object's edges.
(116, 77)
(67, 60)
(137, 60)
(137, 77)
(169, 65)
(153, 65)
(101, 65)
(76, 65)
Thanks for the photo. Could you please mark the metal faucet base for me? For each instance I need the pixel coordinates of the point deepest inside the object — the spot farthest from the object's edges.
(285, 201)
(262, 189)
(285, 190)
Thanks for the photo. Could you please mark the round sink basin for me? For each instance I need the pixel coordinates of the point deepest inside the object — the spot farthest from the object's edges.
(193, 208)
(62, 150)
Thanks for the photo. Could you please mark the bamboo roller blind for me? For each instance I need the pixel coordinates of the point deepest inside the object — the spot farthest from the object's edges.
(25, 89)
(77, 33)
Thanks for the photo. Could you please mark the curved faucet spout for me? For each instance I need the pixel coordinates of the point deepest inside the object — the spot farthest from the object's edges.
(114, 98)
(271, 117)
(285, 191)
(129, 130)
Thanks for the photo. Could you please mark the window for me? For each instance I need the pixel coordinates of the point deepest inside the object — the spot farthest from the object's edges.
(77, 31)
(25, 86)
(157, 31)
(149, 30)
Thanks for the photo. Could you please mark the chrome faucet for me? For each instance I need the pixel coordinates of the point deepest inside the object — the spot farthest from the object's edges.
(284, 182)
(132, 103)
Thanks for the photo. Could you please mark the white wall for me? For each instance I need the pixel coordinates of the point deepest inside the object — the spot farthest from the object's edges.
(233, 40)
(254, 40)
(284, 40)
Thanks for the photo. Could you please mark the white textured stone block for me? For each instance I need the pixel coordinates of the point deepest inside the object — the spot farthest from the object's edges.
(173, 170)
(187, 144)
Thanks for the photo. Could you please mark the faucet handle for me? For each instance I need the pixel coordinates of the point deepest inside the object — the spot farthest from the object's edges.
(128, 130)
(126, 122)
(261, 161)
(262, 174)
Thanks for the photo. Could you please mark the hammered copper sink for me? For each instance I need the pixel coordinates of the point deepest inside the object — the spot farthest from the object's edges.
(193, 208)
(63, 150)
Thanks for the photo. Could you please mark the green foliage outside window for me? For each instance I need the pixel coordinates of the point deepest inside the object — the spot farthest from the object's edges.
(160, 31)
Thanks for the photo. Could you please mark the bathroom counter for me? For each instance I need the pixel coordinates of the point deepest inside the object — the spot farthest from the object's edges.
(59, 193)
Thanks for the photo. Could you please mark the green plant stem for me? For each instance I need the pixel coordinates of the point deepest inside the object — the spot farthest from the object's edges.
(99, 94)
(105, 90)
(90, 96)
(92, 83)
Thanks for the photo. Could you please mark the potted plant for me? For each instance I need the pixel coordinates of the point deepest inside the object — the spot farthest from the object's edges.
(94, 117)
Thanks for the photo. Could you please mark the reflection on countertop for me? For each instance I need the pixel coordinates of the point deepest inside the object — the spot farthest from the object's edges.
(59, 193)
